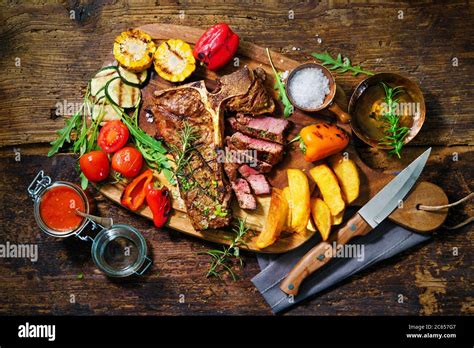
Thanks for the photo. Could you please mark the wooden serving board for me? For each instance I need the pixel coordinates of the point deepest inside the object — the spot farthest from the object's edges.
(371, 181)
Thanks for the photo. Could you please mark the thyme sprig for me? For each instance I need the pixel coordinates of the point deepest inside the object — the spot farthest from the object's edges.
(280, 86)
(340, 64)
(222, 259)
(394, 133)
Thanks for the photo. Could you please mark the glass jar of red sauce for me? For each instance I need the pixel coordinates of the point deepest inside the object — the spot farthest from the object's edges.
(55, 206)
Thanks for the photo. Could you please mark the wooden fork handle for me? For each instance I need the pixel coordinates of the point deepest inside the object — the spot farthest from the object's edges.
(322, 254)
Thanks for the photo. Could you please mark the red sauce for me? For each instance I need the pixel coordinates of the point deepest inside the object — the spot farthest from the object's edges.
(58, 208)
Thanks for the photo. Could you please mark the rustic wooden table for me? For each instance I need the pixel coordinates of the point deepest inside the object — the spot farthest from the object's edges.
(48, 52)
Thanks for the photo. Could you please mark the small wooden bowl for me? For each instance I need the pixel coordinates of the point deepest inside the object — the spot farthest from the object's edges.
(368, 92)
(328, 100)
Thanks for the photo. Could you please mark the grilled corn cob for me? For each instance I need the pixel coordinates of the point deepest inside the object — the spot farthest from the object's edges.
(174, 60)
(134, 50)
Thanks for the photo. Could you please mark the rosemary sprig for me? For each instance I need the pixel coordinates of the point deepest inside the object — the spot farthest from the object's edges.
(280, 86)
(182, 153)
(394, 133)
(340, 64)
(221, 259)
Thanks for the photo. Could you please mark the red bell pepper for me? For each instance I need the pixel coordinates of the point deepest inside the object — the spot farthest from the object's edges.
(135, 192)
(158, 199)
(216, 46)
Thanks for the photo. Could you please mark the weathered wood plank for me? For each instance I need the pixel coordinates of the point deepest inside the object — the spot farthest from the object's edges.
(420, 275)
(59, 54)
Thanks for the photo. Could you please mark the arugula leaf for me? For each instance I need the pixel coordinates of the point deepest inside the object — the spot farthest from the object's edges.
(84, 181)
(64, 134)
(280, 86)
(340, 64)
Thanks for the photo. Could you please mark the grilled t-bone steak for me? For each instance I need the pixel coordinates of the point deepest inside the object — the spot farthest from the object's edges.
(256, 101)
(201, 181)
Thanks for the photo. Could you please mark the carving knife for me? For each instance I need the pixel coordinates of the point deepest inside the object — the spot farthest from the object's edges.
(365, 220)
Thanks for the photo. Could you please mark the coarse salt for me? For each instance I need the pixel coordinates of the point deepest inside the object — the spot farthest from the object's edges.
(308, 88)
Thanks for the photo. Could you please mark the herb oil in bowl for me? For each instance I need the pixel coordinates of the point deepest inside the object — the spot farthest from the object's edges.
(388, 110)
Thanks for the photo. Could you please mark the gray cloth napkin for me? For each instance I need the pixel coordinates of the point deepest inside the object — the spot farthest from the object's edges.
(382, 243)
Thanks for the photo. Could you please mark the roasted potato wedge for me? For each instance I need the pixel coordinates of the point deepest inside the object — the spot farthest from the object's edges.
(300, 199)
(311, 226)
(287, 195)
(337, 220)
(329, 187)
(322, 217)
(348, 176)
(275, 221)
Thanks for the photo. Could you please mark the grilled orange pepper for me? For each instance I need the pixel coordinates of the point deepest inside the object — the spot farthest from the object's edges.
(135, 192)
(321, 140)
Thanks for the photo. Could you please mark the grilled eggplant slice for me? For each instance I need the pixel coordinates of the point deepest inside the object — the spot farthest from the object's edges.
(121, 94)
(134, 50)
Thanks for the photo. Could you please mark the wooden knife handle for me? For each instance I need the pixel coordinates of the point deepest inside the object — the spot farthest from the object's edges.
(322, 253)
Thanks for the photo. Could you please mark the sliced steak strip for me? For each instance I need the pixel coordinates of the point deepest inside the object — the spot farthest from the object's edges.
(246, 171)
(259, 184)
(257, 181)
(266, 151)
(230, 169)
(262, 127)
(259, 166)
(244, 195)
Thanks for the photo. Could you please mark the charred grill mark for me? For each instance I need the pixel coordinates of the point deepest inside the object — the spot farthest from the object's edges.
(175, 53)
(120, 93)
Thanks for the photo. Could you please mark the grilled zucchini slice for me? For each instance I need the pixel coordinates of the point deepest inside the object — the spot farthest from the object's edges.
(174, 60)
(100, 79)
(134, 50)
(107, 112)
(131, 78)
(121, 94)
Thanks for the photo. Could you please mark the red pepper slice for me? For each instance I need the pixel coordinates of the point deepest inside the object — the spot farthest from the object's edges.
(158, 199)
(216, 46)
(135, 192)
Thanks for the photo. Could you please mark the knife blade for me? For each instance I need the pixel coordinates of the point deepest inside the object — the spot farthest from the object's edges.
(387, 199)
(366, 219)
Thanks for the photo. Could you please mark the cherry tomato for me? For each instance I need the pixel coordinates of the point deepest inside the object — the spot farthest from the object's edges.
(113, 136)
(127, 161)
(95, 165)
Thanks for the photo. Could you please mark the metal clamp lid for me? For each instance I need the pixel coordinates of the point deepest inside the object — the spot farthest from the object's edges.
(146, 264)
(39, 184)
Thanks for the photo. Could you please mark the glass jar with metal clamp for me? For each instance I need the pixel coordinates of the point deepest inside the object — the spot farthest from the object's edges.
(61, 210)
